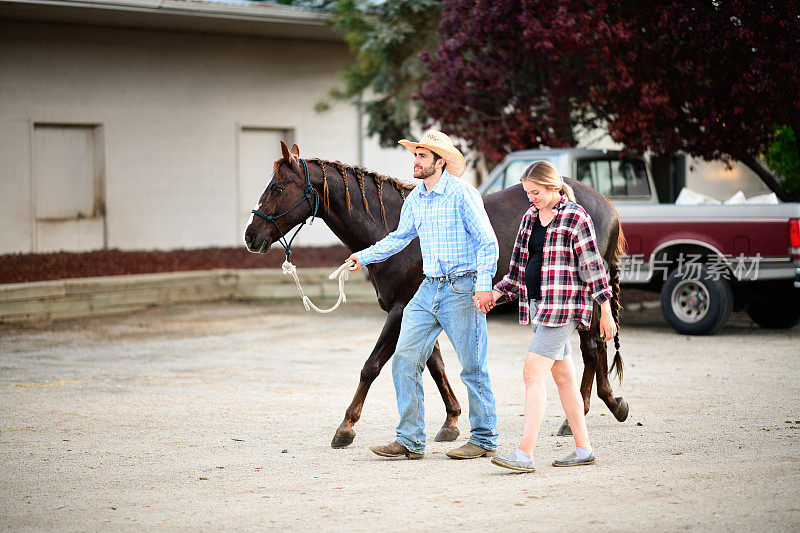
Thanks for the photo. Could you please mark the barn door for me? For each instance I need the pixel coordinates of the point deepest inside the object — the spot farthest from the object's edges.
(258, 150)
(69, 196)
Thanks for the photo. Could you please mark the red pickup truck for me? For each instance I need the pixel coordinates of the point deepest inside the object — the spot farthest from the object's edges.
(704, 260)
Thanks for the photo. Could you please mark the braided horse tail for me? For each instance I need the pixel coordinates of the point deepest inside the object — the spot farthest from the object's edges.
(616, 305)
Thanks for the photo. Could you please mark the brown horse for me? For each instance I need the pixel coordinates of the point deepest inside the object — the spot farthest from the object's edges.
(362, 207)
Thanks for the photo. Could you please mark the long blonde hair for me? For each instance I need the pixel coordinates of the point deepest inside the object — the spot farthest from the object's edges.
(545, 174)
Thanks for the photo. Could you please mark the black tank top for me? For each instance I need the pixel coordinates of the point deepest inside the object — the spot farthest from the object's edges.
(533, 270)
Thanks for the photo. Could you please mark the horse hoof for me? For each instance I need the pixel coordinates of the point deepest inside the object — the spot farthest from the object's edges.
(342, 440)
(621, 412)
(564, 430)
(447, 434)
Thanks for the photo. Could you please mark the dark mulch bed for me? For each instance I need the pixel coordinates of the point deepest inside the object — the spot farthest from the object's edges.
(17, 268)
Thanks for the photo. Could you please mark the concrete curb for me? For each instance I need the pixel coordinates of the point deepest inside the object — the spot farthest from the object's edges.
(86, 297)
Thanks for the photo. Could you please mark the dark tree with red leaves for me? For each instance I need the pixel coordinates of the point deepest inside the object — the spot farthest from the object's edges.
(493, 85)
(710, 78)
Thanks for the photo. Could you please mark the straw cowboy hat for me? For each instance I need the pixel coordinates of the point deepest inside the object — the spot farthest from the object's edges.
(438, 142)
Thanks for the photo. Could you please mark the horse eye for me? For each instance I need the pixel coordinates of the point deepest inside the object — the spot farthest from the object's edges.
(276, 189)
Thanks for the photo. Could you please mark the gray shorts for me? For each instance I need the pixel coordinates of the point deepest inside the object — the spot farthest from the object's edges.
(552, 342)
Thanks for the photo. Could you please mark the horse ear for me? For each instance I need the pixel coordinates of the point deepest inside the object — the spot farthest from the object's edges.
(296, 150)
(285, 150)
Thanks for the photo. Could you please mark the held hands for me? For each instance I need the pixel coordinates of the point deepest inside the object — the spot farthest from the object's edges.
(608, 328)
(357, 266)
(484, 300)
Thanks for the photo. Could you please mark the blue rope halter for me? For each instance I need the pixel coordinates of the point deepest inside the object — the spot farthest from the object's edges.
(309, 193)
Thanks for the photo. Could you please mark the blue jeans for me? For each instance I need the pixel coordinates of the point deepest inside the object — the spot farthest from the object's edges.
(443, 304)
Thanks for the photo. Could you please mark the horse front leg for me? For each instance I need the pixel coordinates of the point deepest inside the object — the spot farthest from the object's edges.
(589, 354)
(449, 431)
(382, 352)
(617, 406)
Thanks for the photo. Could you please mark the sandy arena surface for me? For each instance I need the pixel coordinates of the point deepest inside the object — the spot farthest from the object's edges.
(220, 416)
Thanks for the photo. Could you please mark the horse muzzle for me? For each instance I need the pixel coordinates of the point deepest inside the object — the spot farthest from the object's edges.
(251, 241)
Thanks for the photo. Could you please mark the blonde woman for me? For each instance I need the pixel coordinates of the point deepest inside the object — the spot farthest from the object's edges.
(556, 272)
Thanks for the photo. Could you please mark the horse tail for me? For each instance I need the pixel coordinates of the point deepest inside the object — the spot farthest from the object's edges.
(622, 245)
(616, 304)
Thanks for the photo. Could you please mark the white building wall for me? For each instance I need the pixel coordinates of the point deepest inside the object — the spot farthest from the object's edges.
(170, 107)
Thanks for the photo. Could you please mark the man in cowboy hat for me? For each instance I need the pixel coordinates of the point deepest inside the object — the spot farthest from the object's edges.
(459, 259)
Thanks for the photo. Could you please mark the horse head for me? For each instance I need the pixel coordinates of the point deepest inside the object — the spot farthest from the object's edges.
(282, 205)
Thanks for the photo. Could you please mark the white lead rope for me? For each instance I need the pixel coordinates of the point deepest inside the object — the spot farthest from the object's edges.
(342, 272)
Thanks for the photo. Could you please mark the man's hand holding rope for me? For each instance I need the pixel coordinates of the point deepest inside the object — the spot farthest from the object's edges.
(356, 266)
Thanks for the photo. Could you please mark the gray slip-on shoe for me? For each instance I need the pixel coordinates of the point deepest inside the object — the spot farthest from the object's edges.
(572, 460)
(510, 460)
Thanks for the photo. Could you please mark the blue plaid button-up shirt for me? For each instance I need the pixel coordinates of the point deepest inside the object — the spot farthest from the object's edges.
(453, 229)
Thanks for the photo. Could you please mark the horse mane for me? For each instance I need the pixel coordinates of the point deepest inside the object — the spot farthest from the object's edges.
(361, 174)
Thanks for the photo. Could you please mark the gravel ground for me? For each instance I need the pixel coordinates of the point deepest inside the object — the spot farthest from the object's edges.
(220, 416)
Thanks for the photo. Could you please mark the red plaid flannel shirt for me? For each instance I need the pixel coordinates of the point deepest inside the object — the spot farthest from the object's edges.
(572, 268)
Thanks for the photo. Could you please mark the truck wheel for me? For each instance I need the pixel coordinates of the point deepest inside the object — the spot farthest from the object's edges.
(696, 303)
(774, 314)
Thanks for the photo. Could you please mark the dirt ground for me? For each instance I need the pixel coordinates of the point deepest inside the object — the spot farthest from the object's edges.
(220, 416)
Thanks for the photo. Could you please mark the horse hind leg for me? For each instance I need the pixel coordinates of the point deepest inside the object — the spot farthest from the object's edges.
(384, 348)
(618, 406)
(449, 432)
(589, 355)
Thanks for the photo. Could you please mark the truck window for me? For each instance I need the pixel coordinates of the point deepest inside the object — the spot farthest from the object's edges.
(614, 177)
(583, 173)
(497, 184)
(511, 174)
(514, 172)
(634, 172)
(509, 177)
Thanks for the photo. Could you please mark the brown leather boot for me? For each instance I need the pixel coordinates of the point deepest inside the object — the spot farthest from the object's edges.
(395, 449)
(470, 451)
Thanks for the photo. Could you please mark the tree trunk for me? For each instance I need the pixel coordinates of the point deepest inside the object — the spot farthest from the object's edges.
(767, 177)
